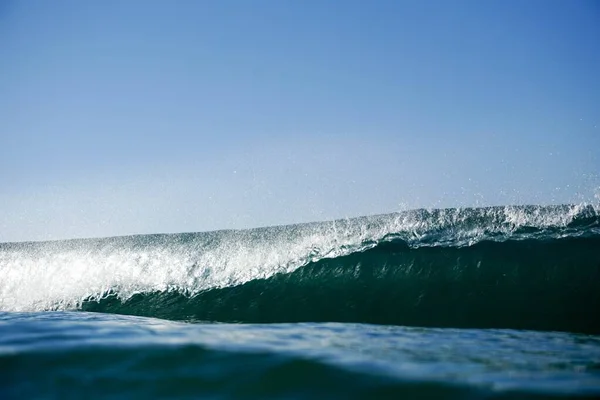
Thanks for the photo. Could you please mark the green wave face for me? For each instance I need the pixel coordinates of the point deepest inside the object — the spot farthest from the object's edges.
(502, 267)
(530, 284)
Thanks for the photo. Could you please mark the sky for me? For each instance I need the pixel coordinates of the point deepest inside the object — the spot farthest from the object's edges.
(125, 117)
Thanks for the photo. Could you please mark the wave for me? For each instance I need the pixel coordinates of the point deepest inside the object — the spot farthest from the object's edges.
(529, 284)
(525, 267)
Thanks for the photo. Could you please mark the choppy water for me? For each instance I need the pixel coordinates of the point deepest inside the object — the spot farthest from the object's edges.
(497, 302)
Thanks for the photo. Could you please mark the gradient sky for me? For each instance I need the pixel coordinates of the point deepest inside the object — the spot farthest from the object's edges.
(121, 117)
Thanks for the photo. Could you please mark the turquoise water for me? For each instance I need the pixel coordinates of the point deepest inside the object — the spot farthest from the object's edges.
(459, 303)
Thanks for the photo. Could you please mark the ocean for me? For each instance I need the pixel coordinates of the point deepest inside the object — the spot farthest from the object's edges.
(466, 303)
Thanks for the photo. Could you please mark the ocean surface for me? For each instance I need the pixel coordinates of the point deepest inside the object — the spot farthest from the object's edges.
(470, 303)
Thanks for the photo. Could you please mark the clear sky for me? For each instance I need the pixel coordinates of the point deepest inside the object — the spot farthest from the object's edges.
(121, 117)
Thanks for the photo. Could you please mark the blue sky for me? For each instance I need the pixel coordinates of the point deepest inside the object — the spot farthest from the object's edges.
(157, 116)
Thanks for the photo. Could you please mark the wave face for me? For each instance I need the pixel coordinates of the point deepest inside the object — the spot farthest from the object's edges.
(523, 267)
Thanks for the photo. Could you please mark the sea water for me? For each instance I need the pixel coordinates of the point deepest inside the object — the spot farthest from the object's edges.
(499, 302)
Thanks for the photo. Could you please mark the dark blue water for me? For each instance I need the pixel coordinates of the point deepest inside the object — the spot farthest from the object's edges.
(75, 355)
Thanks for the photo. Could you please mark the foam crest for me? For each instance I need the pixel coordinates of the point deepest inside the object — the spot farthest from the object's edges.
(60, 275)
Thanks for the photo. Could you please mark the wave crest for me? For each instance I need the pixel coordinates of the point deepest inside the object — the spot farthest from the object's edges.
(62, 275)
